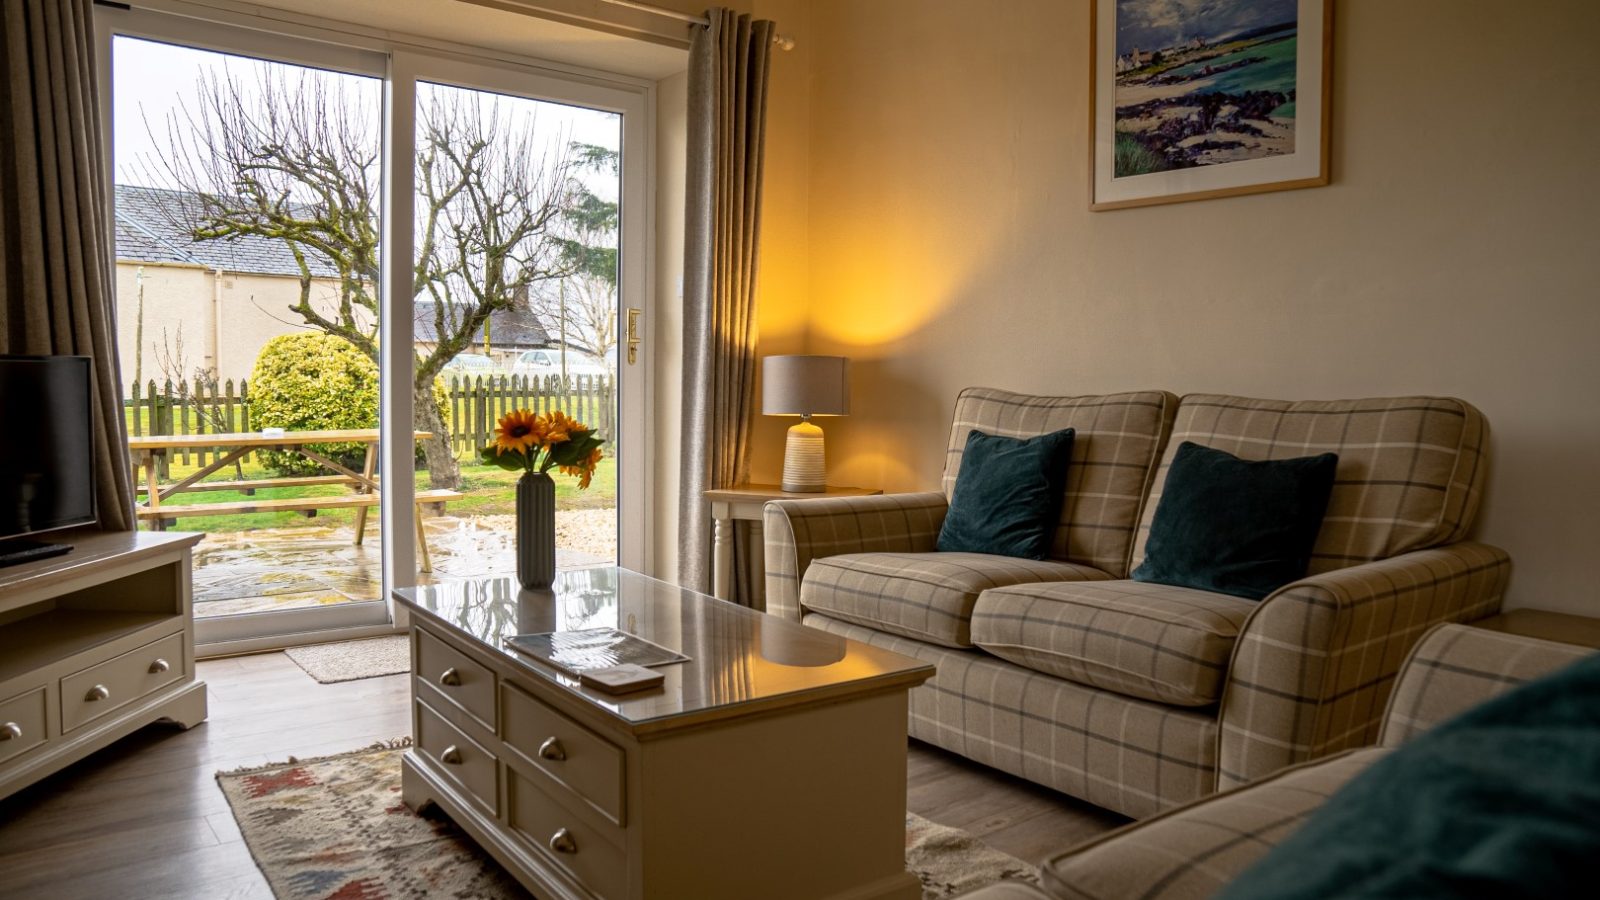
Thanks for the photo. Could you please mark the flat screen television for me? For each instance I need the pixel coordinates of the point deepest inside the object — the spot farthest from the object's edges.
(46, 449)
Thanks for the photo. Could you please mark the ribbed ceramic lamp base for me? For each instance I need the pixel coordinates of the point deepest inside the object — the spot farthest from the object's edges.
(803, 468)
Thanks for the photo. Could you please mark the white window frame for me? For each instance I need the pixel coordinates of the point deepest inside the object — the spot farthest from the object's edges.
(401, 60)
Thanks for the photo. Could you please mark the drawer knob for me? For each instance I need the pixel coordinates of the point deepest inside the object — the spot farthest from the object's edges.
(563, 842)
(10, 731)
(451, 755)
(551, 749)
(159, 666)
(450, 677)
(98, 692)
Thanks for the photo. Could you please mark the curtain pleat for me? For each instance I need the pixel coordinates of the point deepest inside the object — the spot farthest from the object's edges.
(729, 63)
(57, 293)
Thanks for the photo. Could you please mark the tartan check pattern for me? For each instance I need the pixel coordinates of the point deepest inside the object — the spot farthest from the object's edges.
(800, 531)
(1118, 438)
(1410, 475)
(1192, 852)
(1153, 641)
(1128, 755)
(1455, 667)
(1317, 659)
(927, 596)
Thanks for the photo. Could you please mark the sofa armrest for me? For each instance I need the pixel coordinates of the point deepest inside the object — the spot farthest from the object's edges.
(1314, 664)
(1456, 667)
(799, 531)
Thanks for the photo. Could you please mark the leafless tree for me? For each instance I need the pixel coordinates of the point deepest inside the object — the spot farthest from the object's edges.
(295, 158)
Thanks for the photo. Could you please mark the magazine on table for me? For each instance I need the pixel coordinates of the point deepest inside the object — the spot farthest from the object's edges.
(576, 652)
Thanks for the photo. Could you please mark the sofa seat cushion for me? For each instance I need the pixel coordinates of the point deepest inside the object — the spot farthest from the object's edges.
(1153, 641)
(1196, 850)
(927, 596)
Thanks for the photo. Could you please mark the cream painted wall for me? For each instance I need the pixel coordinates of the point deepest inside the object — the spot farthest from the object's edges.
(1457, 252)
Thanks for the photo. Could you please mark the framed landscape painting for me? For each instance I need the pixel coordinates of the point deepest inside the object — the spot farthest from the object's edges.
(1192, 99)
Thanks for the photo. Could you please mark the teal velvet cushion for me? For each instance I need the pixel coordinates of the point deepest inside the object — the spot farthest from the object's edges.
(1501, 801)
(1233, 526)
(1008, 495)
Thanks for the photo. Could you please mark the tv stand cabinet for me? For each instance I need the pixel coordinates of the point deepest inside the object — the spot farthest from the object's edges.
(94, 645)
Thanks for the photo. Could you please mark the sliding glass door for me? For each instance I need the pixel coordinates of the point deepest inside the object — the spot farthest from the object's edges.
(269, 250)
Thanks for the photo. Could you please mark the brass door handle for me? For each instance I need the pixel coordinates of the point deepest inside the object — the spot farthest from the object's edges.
(633, 334)
(10, 731)
(98, 692)
(551, 749)
(450, 677)
(451, 755)
(159, 666)
(563, 842)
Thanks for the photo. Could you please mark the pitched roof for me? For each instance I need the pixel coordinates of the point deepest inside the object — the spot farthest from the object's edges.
(156, 224)
(507, 327)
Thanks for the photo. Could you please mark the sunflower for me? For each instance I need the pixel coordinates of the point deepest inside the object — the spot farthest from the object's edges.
(585, 469)
(561, 426)
(518, 432)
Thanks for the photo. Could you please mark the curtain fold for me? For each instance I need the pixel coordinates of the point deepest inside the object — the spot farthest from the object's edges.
(729, 62)
(57, 290)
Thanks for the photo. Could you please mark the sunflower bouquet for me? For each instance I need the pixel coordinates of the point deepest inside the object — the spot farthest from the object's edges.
(537, 443)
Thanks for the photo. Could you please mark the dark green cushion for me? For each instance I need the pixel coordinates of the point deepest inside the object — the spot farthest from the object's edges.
(1233, 526)
(1502, 801)
(1008, 495)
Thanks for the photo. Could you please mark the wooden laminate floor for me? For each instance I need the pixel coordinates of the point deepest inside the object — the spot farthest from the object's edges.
(144, 818)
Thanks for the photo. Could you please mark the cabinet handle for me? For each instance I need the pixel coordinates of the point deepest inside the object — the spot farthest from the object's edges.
(450, 677)
(451, 755)
(10, 731)
(98, 692)
(551, 749)
(159, 666)
(563, 842)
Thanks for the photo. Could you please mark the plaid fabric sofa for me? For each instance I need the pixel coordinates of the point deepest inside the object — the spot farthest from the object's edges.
(1197, 849)
(1140, 697)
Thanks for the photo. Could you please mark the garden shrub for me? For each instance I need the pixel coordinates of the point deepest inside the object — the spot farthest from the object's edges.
(312, 381)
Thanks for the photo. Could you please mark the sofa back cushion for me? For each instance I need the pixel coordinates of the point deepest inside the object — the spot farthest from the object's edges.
(1117, 440)
(1410, 474)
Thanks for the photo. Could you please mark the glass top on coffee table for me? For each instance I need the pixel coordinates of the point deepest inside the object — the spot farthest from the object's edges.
(740, 660)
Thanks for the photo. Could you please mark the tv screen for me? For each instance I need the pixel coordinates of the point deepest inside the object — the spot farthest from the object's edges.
(47, 450)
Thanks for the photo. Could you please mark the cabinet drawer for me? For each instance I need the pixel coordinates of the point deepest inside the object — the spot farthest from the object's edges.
(542, 821)
(461, 680)
(118, 681)
(587, 764)
(466, 761)
(21, 724)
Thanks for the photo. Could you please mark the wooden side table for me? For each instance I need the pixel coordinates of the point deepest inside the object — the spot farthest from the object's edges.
(745, 502)
(1564, 628)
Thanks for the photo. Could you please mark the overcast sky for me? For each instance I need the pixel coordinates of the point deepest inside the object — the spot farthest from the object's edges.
(151, 81)
(1154, 24)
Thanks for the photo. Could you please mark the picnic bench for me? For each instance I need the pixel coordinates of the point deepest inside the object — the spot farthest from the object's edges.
(148, 451)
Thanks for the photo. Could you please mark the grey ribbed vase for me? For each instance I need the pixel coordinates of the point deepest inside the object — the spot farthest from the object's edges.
(536, 530)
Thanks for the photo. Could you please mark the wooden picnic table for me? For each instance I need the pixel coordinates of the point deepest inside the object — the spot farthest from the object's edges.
(147, 452)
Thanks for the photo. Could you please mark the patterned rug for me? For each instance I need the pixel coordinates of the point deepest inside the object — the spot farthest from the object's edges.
(334, 829)
(350, 660)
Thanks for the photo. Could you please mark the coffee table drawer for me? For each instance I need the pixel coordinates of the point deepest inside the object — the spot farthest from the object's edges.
(460, 679)
(21, 724)
(99, 689)
(466, 761)
(584, 851)
(577, 758)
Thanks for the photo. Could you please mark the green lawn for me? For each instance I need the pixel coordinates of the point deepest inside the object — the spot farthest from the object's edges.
(489, 490)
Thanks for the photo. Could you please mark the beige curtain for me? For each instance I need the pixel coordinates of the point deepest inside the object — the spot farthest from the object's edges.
(728, 67)
(57, 290)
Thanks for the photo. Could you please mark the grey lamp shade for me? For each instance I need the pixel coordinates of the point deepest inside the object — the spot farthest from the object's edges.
(805, 386)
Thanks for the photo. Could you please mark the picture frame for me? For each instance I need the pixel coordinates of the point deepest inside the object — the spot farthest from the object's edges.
(1237, 99)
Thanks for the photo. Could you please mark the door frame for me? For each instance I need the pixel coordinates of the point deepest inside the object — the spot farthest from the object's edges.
(400, 60)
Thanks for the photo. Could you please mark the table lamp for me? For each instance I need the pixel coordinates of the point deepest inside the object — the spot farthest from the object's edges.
(805, 386)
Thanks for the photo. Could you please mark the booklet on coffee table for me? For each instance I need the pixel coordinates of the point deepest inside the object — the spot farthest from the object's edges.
(576, 652)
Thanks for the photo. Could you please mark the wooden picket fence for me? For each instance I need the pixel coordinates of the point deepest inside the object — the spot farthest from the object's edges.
(473, 405)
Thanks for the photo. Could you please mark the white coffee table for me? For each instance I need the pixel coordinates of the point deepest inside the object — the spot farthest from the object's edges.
(772, 764)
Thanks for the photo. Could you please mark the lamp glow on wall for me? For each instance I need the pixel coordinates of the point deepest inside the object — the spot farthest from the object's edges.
(805, 386)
